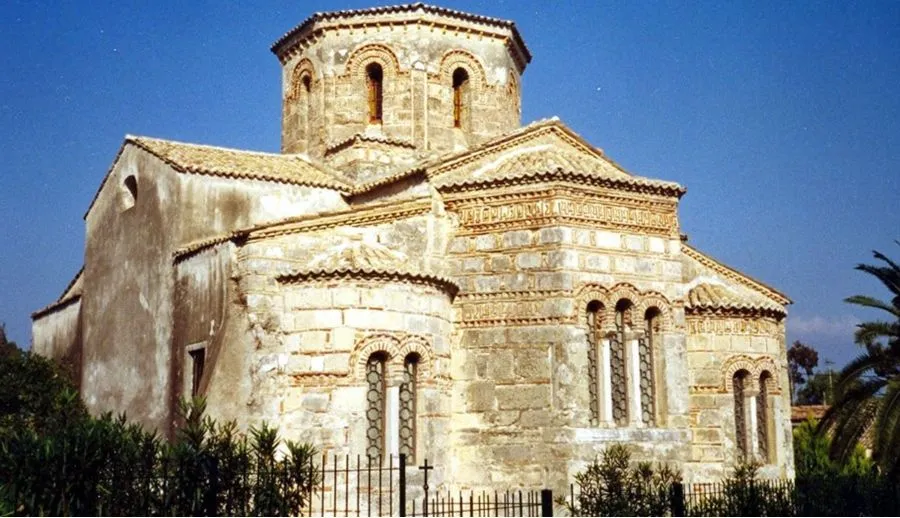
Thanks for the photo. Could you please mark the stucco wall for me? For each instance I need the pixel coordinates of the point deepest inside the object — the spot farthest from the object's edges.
(57, 335)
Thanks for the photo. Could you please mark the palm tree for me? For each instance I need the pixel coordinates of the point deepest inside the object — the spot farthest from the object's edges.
(867, 392)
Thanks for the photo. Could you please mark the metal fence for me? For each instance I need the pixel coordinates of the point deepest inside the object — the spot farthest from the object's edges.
(347, 486)
(839, 495)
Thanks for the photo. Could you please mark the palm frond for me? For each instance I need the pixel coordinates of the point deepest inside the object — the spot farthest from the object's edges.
(872, 302)
(854, 371)
(886, 440)
(890, 277)
(867, 332)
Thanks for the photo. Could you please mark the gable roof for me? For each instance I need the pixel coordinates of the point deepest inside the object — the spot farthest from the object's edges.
(703, 295)
(546, 149)
(231, 163)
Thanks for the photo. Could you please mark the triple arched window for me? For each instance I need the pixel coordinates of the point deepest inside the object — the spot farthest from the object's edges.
(383, 400)
(621, 374)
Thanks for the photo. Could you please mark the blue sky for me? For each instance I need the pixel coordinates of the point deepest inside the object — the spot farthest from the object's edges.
(782, 119)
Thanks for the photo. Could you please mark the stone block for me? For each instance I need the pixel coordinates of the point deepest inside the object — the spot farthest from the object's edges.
(566, 259)
(657, 245)
(517, 238)
(536, 418)
(479, 396)
(486, 242)
(500, 263)
(337, 362)
(645, 266)
(515, 282)
(485, 283)
(596, 262)
(606, 239)
(555, 235)
(517, 397)
(554, 281)
(582, 237)
(623, 264)
(635, 243)
(532, 365)
(473, 264)
(707, 435)
(528, 260)
(343, 338)
(343, 297)
(499, 365)
(316, 319)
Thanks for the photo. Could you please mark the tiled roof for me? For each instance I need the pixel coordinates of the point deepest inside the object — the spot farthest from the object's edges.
(235, 163)
(800, 413)
(362, 137)
(279, 45)
(727, 272)
(536, 151)
(706, 296)
(358, 258)
(71, 294)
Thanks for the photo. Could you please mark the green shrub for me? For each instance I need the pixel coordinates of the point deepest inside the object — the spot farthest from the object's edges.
(613, 486)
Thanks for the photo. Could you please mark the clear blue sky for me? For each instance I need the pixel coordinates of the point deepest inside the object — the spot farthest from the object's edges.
(781, 118)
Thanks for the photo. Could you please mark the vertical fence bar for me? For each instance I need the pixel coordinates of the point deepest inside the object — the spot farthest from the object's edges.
(369, 486)
(380, 486)
(391, 484)
(546, 502)
(677, 499)
(346, 485)
(402, 482)
(358, 482)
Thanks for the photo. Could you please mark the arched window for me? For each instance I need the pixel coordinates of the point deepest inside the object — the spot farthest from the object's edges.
(618, 366)
(129, 192)
(594, 310)
(374, 82)
(739, 382)
(306, 106)
(460, 97)
(762, 417)
(646, 346)
(408, 406)
(375, 398)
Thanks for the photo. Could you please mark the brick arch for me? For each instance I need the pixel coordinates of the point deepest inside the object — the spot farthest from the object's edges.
(372, 53)
(622, 291)
(421, 346)
(656, 300)
(513, 93)
(304, 66)
(733, 365)
(766, 364)
(365, 348)
(454, 59)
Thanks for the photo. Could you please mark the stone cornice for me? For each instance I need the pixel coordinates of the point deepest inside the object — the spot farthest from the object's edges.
(437, 18)
(440, 282)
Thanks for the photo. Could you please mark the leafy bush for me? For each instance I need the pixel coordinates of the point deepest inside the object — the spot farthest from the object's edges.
(615, 487)
(105, 466)
(743, 494)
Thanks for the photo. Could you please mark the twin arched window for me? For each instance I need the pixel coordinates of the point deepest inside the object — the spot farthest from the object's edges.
(620, 367)
(378, 403)
(751, 415)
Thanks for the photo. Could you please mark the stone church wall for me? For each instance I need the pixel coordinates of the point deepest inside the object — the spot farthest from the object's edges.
(418, 62)
(521, 397)
(57, 335)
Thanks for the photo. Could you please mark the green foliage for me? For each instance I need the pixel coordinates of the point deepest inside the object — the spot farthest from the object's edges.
(613, 486)
(818, 389)
(802, 360)
(811, 455)
(35, 394)
(743, 494)
(105, 466)
(867, 392)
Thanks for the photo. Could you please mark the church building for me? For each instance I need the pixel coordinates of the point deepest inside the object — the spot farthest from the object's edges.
(417, 272)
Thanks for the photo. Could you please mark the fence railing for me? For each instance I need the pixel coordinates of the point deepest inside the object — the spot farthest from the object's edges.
(347, 486)
(818, 496)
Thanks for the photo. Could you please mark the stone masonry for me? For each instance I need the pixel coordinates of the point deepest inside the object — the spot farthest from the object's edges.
(417, 272)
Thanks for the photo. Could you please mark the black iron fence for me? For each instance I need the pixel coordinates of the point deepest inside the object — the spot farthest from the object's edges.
(850, 495)
(347, 486)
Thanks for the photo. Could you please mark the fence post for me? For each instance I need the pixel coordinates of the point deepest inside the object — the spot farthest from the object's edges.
(402, 510)
(677, 499)
(546, 502)
(425, 468)
(212, 492)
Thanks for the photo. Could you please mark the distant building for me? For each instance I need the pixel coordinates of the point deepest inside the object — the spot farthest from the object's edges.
(417, 272)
